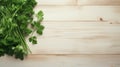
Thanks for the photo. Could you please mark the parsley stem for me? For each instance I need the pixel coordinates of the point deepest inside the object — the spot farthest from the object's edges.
(23, 40)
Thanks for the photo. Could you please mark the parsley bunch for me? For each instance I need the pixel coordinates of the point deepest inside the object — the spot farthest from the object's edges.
(15, 17)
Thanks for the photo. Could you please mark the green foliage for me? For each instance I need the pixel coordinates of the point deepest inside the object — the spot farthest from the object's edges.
(33, 40)
(15, 17)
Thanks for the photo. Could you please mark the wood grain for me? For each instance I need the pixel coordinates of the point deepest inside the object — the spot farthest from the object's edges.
(63, 61)
(80, 13)
(56, 2)
(78, 38)
(99, 2)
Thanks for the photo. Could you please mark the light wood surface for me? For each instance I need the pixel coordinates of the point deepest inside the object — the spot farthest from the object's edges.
(99, 2)
(56, 2)
(78, 38)
(79, 2)
(80, 13)
(63, 61)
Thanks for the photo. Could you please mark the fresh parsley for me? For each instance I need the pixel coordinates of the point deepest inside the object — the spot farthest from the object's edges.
(15, 17)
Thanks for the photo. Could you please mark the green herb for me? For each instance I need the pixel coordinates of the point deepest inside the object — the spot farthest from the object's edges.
(15, 17)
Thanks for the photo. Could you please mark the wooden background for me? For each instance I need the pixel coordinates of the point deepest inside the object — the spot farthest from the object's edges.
(78, 33)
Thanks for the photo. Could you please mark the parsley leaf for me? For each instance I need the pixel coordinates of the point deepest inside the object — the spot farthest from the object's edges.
(33, 39)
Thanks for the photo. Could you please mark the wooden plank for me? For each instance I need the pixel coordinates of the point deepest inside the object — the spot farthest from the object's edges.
(80, 13)
(56, 2)
(98, 2)
(63, 61)
(78, 38)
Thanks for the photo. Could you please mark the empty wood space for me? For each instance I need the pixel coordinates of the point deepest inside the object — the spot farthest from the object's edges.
(80, 13)
(78, 38)
(99, 2)
(79, 2)
(56, 2)
(63, 61)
